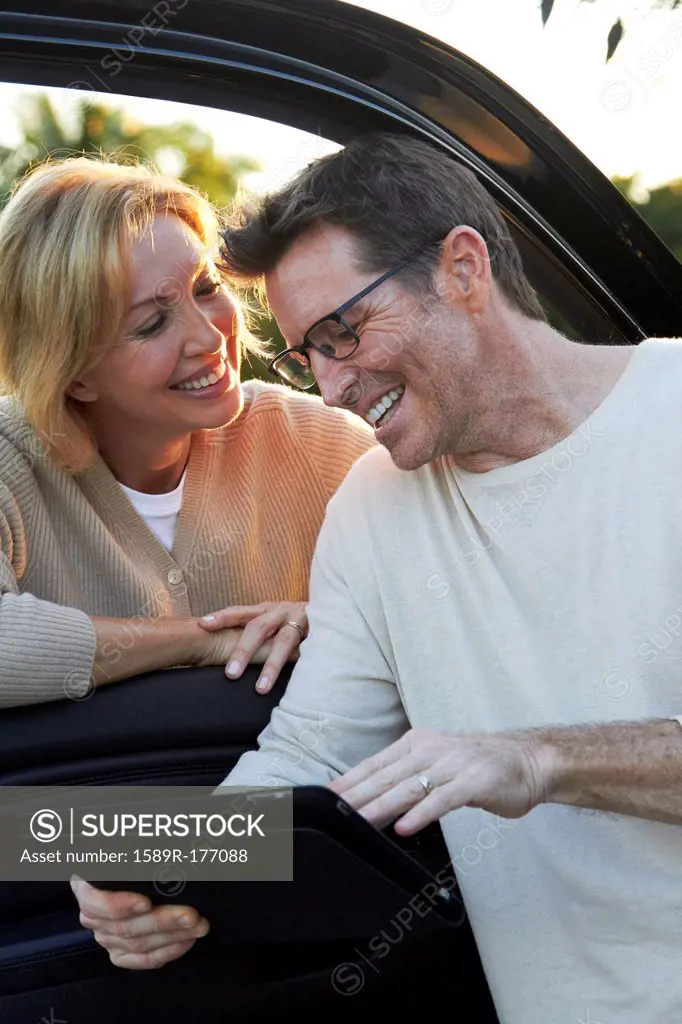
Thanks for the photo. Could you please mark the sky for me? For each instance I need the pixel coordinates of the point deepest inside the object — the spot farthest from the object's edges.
(623, 115)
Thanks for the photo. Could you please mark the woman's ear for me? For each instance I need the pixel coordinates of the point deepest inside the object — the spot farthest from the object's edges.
(81, 391)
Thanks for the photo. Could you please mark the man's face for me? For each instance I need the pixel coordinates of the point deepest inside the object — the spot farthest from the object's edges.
(417, 349)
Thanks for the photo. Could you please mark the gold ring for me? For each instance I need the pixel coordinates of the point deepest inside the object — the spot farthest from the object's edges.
(296, 625)
(425, 782)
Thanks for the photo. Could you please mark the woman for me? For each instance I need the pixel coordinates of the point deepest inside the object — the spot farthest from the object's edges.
(150, 504)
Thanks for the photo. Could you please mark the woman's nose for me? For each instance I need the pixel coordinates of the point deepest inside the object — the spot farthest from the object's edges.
(202, 334)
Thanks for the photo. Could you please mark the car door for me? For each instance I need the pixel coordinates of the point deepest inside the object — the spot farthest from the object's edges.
(603, 276)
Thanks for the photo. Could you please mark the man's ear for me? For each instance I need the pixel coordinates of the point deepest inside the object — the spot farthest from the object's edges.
(465, 270)
(81, 391)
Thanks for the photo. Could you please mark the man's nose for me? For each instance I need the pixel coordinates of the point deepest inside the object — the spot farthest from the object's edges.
(339, 384)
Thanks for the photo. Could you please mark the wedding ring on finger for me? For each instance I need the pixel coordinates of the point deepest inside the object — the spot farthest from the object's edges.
(425, 782)
(298, 626)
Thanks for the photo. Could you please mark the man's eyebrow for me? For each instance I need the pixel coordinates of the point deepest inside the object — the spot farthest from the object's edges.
(358, 308)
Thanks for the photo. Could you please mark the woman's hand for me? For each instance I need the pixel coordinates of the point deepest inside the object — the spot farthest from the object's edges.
(268, 635)
(135, 934)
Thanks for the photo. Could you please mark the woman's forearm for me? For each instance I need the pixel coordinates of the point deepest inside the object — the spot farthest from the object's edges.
(128, 647)
(51, 652)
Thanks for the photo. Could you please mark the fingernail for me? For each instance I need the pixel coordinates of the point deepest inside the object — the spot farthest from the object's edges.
(208, 618)
(140, 908)
(74, 879)
(233, 668)
(201, 929)
(183, 921)
(262, 684)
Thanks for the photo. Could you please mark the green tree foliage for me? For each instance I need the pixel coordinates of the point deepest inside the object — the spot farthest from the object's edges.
(182, 148)
(662, 210)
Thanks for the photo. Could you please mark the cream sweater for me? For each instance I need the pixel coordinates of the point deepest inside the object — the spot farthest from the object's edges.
(544, 592)
(71, 547)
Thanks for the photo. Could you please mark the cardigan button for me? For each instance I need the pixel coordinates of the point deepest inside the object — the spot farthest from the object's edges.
(175, 576)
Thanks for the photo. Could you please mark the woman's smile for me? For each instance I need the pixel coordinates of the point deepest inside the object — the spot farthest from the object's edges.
(207, 383)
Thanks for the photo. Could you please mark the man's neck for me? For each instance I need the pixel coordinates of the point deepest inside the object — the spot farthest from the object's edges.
(564, 384)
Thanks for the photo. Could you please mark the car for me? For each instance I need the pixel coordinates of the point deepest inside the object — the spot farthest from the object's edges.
(334, 70)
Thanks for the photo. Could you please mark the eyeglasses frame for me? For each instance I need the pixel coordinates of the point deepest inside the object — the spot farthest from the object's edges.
(337, 317)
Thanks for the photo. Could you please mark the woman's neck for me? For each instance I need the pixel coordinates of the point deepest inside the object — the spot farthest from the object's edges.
(144, 466)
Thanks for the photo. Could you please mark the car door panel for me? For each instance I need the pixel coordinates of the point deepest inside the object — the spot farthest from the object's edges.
(182, 726)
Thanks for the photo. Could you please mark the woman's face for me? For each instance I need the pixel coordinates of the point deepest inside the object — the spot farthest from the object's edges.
(181, 326)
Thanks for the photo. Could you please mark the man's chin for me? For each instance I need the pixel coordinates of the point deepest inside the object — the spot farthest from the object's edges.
(407, 460)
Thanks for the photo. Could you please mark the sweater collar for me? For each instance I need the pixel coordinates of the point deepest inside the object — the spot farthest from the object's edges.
(122, 519)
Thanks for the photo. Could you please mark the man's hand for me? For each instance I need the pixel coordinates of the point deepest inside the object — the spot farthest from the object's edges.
(506, 774)
(135, 934)
(619, 767)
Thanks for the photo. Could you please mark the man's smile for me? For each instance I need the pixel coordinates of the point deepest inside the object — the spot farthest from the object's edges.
(384, 409)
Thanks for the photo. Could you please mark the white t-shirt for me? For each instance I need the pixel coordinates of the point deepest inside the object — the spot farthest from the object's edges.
(548, 592)
(159, 511)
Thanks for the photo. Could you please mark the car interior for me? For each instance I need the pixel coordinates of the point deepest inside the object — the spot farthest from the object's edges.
(335, 71)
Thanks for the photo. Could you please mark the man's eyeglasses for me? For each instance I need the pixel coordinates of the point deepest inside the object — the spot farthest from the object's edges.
(332, 336)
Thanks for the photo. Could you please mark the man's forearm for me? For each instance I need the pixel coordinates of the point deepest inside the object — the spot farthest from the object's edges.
(624, 767)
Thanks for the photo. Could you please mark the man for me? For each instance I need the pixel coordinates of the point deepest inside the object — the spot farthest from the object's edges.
(495, 606)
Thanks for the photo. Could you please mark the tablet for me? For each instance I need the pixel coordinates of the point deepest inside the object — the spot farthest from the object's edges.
(350, 879)
(318, 809)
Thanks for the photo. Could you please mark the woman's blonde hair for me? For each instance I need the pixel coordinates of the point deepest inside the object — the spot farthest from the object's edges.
(65, 281)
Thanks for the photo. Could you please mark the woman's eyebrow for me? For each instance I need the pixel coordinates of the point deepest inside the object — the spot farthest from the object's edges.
(205, 263)
(141, 302)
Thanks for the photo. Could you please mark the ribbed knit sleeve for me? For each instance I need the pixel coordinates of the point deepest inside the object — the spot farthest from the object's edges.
(46, 650)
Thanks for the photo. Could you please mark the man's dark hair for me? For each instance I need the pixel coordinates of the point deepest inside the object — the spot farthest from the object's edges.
(395, 194)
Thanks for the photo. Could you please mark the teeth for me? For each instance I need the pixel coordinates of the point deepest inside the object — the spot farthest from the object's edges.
(384, 404)
(203, 382)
